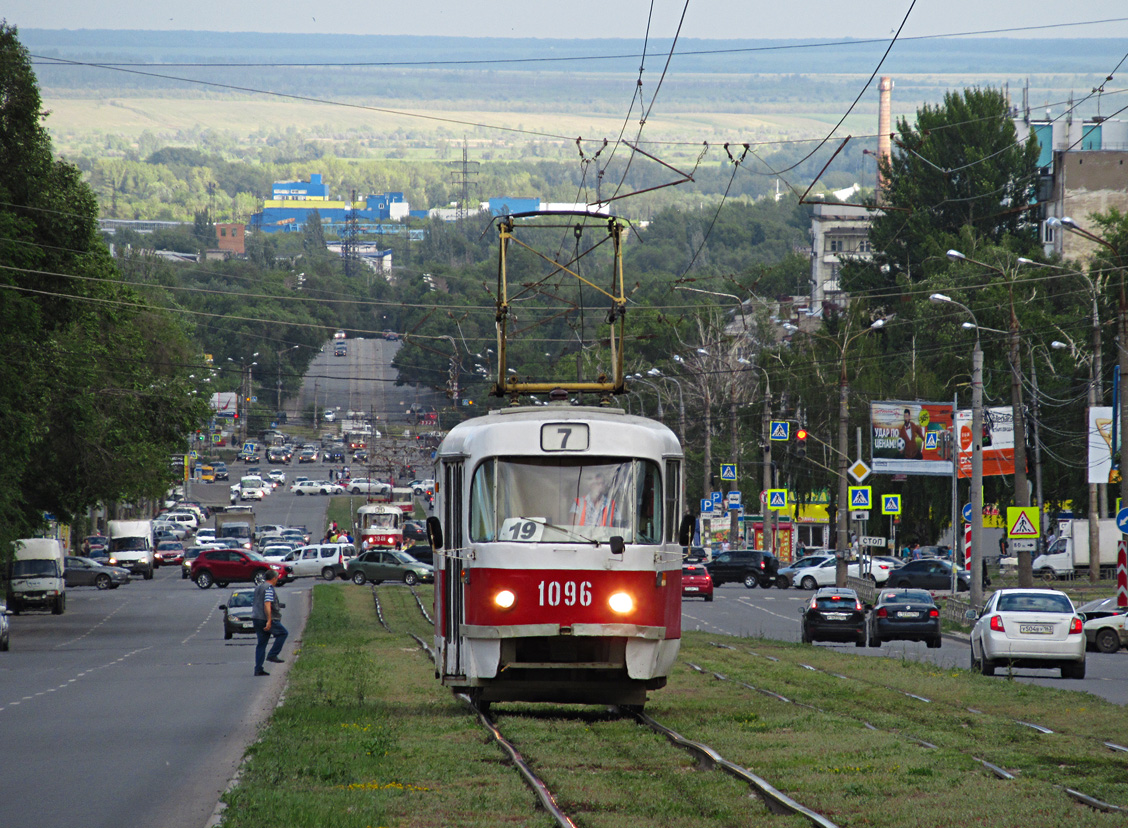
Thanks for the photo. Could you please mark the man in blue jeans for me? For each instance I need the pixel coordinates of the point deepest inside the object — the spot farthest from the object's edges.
(266, 618)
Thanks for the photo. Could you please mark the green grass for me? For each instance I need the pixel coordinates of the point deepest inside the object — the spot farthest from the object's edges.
(367, 737)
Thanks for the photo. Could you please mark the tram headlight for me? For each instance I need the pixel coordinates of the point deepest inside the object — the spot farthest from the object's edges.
(505, 599)
(621, 602)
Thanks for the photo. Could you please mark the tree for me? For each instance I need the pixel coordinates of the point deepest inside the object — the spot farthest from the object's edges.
(94, 387)
(959, 166)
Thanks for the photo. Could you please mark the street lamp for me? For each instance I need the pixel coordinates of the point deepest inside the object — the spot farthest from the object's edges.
(657, 392)
(1122, 346)
(245, 380)
(654, 372)
(976, 565)
(278, 360)
(842, 542)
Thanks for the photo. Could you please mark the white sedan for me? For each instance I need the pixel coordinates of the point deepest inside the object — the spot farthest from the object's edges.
(1029, 628)
(823, 574)
(1106, 624)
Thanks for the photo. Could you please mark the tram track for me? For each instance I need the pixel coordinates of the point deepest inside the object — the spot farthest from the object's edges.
(706, 758)
(996, 769)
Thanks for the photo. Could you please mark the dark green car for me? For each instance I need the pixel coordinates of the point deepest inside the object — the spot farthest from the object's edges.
(378, 565)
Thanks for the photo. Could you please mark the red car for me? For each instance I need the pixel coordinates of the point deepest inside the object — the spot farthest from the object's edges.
(697, 582)
(229, 566)
(169, 552)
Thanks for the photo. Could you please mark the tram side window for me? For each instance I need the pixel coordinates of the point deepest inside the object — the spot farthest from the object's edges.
(649, 505)
(673, 497)
(483, 512)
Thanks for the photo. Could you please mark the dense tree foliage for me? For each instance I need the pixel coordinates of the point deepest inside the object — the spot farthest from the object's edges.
(95, 379)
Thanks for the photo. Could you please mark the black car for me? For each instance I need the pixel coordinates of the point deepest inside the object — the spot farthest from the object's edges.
(750, 567)
(904, 615)
(834, 614)
(693, 554)
(415, 531)
(335, 456)
(220, 471)
(928, 573)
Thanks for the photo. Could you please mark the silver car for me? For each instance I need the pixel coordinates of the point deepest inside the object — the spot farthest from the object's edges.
(1029, 628)
(3, 629)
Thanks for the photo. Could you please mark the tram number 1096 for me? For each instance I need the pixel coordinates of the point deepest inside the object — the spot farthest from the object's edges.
(570, 593)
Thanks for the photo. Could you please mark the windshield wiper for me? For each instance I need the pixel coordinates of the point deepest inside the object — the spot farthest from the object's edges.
(563, 529)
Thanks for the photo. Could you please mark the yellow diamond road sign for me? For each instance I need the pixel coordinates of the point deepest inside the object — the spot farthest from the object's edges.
(1022, 522)
(859, 471)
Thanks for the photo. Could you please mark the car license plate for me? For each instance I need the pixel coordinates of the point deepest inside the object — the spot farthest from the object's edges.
(1036, 629)
(836, 616)
(907, 615)
(691, 589)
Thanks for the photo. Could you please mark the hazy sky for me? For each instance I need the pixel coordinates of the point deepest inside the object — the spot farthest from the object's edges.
(582, 18)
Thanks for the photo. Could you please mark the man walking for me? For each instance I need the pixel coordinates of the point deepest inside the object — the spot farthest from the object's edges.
(265, 617)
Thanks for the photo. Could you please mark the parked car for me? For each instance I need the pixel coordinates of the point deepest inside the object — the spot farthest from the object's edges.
(237, 613)
(904, 615)
(1106, 625)
(1029, 628)
(378, 565)
(78, 571)
(696, 582)
(227, 566)
(751, 567)
(366, 485)
(834, 614)
(805, 562)
(4, 632)
(929, 573)
(824, 573)
(414, 530)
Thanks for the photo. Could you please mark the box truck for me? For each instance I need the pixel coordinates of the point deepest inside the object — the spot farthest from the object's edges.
(1068, 556)
(131, 546)
(35, 576)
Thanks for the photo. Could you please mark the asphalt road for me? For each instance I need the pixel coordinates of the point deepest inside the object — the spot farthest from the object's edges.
(130, 710)
(363, 380)
(774, 613)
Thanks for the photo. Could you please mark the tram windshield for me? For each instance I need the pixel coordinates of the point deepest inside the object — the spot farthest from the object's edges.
(566, 500)
(381, 520)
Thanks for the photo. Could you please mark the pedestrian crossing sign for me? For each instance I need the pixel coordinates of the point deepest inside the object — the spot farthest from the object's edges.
(780, 430)
(777, 499)
(728, 471)
(1022, 522)
(930, 441)
(860, 497)
(890, 504)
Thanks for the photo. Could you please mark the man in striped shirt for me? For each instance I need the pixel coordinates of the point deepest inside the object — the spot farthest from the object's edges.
(266, 618)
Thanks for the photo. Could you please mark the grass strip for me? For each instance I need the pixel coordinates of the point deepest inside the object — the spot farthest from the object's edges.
(367, 737)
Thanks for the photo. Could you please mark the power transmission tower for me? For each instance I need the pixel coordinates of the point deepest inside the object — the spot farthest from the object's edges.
(461, 178)
(349, 235)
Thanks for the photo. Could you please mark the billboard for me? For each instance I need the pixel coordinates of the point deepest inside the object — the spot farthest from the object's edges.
(911, 438)
(225, 403)
(1100, 445)
(998, 441)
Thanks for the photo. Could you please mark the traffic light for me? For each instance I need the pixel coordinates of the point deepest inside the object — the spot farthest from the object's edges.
(801, 443)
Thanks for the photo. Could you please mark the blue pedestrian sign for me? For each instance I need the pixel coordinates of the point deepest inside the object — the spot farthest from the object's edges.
(777, 499)
(728, 471)
(930, 441)
(706, 507)
(891, 504)
(1122, 521)
(967, 513)
(780, 430)
(860, 497)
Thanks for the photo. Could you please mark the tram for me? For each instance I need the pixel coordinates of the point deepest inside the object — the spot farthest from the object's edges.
(380, 525)
(557, 535)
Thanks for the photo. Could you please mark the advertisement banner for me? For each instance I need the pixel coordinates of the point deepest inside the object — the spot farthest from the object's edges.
(911, 438)
(998, 441)
(1100, 444)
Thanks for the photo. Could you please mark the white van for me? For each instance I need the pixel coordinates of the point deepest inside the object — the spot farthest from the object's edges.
(35, 576)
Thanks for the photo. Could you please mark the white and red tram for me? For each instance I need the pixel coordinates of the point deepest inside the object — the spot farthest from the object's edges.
(559, 573)
(380, 525)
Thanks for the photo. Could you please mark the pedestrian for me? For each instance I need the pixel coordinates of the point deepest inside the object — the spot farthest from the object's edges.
(267, 620)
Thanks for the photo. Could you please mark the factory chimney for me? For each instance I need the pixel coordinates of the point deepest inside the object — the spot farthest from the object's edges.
(884, 130)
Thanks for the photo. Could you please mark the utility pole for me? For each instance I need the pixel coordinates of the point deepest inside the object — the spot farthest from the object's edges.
(766, 431)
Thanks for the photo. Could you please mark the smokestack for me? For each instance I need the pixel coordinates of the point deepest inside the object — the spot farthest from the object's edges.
(884, 130)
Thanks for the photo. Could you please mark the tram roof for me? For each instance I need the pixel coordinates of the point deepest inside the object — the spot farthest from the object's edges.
(516, 431)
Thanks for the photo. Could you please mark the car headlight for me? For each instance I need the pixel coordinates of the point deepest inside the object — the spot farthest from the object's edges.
(505, 599)
(621, 602)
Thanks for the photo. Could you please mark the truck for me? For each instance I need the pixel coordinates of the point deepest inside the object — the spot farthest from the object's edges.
(131, 546)
(35, 576)
(236, 529)
(1068, 556)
